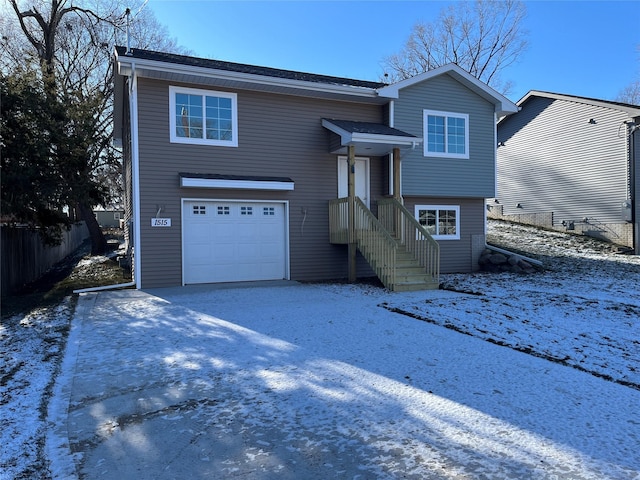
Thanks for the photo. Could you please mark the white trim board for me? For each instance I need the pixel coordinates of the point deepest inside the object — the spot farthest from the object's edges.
(191, 182)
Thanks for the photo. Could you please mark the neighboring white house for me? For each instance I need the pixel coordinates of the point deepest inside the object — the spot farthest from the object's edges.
(571, 163)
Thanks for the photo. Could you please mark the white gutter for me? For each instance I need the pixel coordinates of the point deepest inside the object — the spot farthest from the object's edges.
(228, 75)
(347, 138)
(135, 173)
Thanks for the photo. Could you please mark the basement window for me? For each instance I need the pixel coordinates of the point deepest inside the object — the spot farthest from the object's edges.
(442, 222)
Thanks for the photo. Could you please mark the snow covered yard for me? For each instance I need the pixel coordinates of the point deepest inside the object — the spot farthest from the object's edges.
(31, 348)
(584, 311)
(327, 376)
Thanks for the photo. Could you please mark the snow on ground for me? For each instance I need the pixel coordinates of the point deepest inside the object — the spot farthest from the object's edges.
(351, 376)
(584, 311)
(30, 350)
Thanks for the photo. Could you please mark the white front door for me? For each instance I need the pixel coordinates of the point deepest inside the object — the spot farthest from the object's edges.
(362, 178)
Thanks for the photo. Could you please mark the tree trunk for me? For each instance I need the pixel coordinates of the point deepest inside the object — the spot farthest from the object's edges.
(98, 242)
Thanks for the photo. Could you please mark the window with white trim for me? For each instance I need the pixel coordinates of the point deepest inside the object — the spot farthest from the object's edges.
(441, 221)
(446, 134)
(203, 117)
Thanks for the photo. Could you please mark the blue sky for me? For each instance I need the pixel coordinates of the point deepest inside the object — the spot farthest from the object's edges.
(586, 48)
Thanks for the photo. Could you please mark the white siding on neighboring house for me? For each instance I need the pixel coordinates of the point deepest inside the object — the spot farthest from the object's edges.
(569, 158)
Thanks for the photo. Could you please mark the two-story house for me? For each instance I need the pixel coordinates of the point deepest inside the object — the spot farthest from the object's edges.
(240, 173)
(572, 164)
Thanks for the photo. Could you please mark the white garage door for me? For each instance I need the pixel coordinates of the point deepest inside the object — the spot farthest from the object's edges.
(233, 241)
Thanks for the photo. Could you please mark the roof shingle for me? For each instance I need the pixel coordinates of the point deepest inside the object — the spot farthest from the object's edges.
(247, 69)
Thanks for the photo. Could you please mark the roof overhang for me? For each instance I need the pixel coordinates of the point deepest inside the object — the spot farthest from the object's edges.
(201, 75)
(369, 138)
(503, 106)
(631, 110)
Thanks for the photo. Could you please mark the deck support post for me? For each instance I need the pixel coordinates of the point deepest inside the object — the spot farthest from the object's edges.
(397, 195)
(351, 194)
(396, 175)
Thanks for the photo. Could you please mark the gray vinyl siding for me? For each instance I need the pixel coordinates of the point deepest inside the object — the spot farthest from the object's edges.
(555, 160)
(458, 256)
(472, 177)
(278, 136)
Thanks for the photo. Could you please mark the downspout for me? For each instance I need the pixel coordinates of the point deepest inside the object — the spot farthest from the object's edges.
(495, 162)
(509, 253)
(105, 287)
(633, 187)
(135, 173)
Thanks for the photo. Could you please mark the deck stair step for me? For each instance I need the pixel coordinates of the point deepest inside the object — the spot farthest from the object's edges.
(409, 274)
(401, 252)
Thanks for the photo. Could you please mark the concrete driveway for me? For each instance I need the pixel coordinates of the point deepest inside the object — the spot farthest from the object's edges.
(313, 382)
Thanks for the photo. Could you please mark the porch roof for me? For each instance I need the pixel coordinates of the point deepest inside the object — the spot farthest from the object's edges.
(369, 138)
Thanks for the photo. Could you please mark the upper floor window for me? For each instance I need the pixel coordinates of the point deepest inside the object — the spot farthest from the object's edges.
(446, 134)
(204, 117)
(441, 221)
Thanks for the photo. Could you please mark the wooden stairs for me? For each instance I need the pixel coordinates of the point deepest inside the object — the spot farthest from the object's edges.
(400, 251)
(408, 274)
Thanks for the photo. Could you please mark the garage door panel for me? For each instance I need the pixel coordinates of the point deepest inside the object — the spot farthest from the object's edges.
(223, 254)
(234, 241)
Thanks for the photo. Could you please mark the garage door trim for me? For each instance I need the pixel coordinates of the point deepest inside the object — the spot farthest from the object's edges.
(284, 203)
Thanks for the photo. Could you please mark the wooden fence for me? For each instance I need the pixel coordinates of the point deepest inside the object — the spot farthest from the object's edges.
(24, 258)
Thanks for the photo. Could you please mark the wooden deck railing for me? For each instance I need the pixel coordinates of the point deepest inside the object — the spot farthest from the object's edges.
(399, 222)
(374, 242)
(381, 239)
(338, 220)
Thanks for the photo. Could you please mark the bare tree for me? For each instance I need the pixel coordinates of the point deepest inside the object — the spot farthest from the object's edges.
(483, 37)
(631, 93)
(72, 43)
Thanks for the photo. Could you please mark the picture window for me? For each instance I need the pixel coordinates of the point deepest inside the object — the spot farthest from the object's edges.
(446, 134)
(203, 117)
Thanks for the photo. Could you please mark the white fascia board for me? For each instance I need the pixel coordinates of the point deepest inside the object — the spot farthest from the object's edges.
(503, 106)
(629, 110)
(385, 139)
(178, 69)
(347, 138)
(235, 184)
